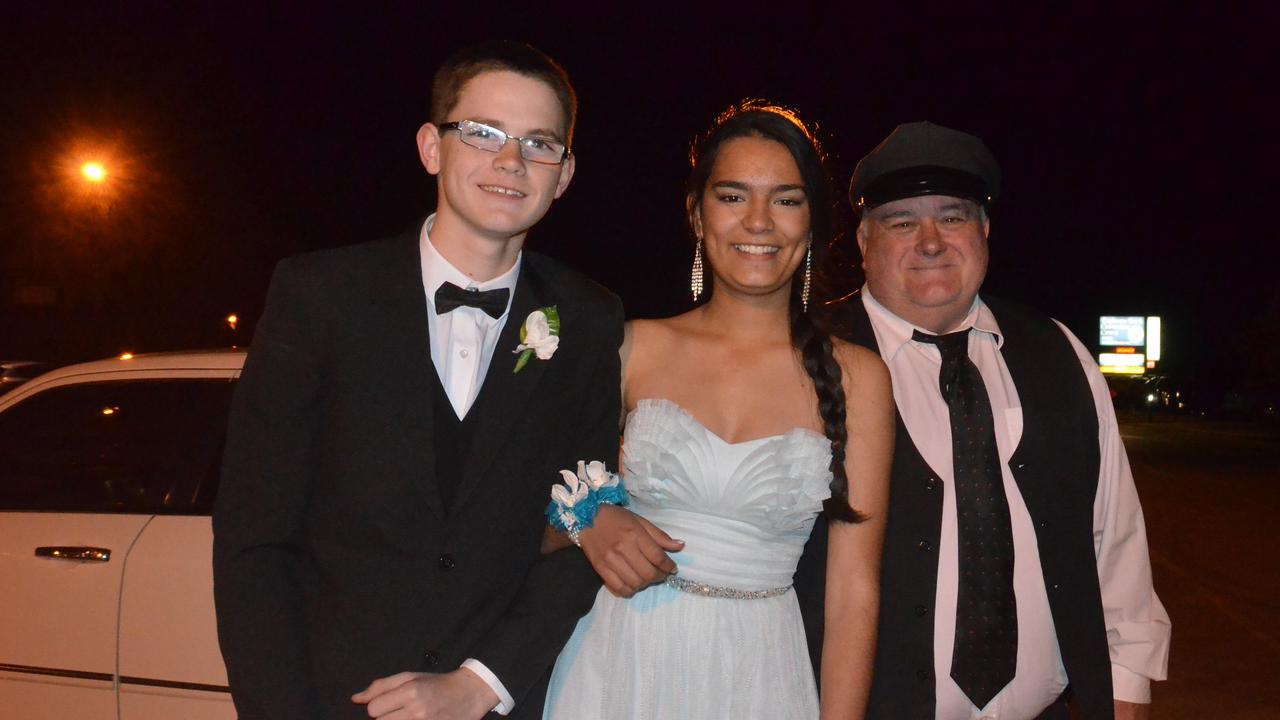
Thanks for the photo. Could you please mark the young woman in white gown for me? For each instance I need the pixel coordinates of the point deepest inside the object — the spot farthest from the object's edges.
(745, 421)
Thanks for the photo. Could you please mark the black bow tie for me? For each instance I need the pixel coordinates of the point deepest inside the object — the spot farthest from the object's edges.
(492, 302)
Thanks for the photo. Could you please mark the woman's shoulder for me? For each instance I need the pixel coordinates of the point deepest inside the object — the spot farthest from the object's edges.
(649, 343)
(859, 363)
(659, 330)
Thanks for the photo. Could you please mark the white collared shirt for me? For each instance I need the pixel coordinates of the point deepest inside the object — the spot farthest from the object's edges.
(462, 340)
(1136, 623)
(462, 345)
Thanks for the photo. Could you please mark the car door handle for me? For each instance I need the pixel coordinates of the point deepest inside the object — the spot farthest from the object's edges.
(71, 552)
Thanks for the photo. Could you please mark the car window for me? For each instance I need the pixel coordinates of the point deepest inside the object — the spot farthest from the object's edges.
(136, 446)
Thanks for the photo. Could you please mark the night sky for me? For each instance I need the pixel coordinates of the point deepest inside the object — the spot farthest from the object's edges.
(1137, 144)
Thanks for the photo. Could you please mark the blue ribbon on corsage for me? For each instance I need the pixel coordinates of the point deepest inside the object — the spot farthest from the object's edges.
(574, 503)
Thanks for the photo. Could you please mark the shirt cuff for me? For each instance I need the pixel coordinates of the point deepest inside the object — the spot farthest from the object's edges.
(505, 703)
(1127, 685)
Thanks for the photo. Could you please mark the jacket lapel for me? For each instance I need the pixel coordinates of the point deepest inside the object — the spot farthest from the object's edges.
(401, 303)
(505, 395)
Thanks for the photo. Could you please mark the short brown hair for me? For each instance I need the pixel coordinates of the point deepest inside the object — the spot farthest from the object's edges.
(516, 57)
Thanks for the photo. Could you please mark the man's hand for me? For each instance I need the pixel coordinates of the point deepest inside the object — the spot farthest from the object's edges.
(628, 552)
(459, 695)
(1132, 711)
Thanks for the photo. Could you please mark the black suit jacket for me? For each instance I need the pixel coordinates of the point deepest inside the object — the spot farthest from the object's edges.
(335, 560)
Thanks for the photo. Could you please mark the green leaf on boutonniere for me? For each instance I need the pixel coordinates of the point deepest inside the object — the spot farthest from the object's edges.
(524, 357)
(553, 319)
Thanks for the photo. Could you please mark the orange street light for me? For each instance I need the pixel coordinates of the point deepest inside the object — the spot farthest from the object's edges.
(231, 321)
(94, 172)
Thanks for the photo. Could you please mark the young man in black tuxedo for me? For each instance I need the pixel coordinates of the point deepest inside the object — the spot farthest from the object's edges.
(377, 531)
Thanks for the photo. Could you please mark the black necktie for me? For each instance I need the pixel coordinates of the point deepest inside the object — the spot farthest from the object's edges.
(492, 302)
(985, 653)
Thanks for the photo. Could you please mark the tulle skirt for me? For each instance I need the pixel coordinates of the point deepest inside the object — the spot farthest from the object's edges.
(666, 654)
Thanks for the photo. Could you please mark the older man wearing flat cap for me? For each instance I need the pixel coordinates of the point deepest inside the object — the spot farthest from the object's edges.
(1016, 582)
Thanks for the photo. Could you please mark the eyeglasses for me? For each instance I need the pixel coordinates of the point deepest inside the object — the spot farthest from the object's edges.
(490, 139)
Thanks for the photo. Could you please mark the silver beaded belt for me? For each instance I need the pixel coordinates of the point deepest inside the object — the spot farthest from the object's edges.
(697, 588)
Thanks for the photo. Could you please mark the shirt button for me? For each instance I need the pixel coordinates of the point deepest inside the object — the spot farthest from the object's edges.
(921, 611)
(463, 352)
(447, 562)
(431, 658)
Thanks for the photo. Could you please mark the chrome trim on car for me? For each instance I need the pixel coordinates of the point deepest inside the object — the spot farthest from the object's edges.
(108, 677)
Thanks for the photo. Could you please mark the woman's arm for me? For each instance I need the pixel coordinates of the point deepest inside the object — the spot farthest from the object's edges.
(628, 552)
(853, 556)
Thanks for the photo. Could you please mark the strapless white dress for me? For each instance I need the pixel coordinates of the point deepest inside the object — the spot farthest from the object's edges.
(730, 644)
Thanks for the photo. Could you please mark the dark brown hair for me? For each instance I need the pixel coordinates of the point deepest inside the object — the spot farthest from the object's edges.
(758, 118)
(519, 58)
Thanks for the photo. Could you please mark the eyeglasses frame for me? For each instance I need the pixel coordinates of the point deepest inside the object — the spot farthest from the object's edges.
(446, 127)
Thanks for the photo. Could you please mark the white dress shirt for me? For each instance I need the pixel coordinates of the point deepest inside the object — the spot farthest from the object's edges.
(462, 344)
(462, 341)
(1136, 623)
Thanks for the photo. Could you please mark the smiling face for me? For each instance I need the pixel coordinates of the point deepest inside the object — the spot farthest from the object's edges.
(486, 197)
(925, 258)
(753, 217)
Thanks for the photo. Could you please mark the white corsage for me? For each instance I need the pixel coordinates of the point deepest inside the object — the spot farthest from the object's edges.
(574, 504)
(540, 335)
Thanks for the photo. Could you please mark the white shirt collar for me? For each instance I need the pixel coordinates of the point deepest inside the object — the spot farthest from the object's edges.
(894, 332)
(436, 270)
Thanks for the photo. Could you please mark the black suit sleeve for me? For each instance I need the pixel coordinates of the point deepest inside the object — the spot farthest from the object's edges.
(561, 587)
(257, 518)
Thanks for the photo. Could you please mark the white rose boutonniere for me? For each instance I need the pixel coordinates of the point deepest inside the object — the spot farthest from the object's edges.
(540, 335)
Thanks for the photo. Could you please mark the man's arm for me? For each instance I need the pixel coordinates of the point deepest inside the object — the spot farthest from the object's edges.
(560, 587)
(257, 516)
(1136, 622)
(628, 552)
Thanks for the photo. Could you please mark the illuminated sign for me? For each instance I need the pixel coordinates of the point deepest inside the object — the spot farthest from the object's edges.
(1128, 330)
(1153, 337)
(1131, 342)
(1122, 363)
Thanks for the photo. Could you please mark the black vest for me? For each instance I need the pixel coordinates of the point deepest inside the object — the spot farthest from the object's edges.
(1056, 468)
(451, 439)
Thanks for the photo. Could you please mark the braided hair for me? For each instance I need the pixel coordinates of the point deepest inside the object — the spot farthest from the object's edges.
(758, 118)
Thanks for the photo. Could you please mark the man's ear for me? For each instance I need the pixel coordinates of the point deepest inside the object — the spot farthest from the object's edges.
(566, 174)
(862, 240)
(429, 147)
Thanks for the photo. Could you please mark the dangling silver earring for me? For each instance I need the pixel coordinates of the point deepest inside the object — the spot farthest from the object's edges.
(808, 277)
(695, 282)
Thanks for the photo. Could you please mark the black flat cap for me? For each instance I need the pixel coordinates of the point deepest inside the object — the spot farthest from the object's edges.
(921, 158)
